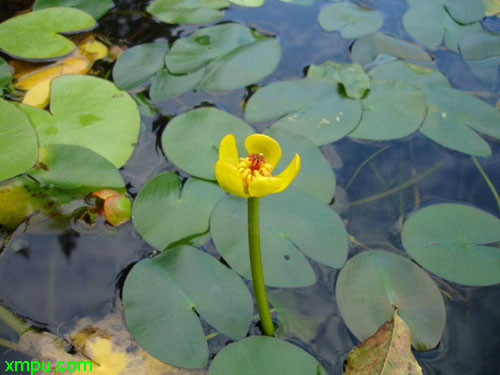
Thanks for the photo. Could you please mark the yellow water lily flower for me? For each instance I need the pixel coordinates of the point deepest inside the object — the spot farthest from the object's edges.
(251, 176)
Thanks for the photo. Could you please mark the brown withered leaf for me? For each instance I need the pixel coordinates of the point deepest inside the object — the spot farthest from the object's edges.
(386, 352)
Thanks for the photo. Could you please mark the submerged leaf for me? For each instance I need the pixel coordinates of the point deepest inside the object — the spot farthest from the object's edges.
(386, 352)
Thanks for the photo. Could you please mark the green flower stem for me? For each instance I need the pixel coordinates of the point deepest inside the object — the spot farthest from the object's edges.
(17, 324)
(256, 265)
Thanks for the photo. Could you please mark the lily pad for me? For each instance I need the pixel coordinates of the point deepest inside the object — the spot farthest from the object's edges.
(465, 11)
(90, 112)
(5, 74)
(166, 86)
(96, 8)
(35, 35)
(164, 215)
(18, 141)
(352, 20)
(310, 107)
(300, 2)
(233, 55)
(292, 224)
(264, 356)
(117, 210)
(491, 6)
(187, 11)
(248, 3)
(392, 109)
(479, 45)
(452, 118)
(137, 64)
(372, 283)
(367, 48)
(351, 77)
(191, 140)
(162, 297)
(316, 176)
(450, 240)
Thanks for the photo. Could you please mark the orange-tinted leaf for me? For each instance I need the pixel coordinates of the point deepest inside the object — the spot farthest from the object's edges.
(105, 193)
(117, 209)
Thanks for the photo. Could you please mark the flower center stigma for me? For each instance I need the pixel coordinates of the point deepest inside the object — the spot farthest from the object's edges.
(253, 166)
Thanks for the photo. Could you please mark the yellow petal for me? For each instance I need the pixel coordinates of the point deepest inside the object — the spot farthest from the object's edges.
(262, 186)
(289, 173)
(229, 178)
(262, 144)
(38, 96)
(228, 151)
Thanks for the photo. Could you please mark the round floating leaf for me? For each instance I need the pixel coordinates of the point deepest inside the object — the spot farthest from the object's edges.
(117, 209)
(351, 19)
(392, 109)
(90, 112)
(35, 35)
(264, 356)
(449, 240)
(191, 140)
(96, 8)
(310, 107)
(300, 2)
(351, 77)
(166, 86)
(18, 141)
(242, 67)
(479, 45)
(452, 118)
(316, 177)
(292, 224)
(372, 283)
(163, 215)
(367, 48)
(163, 295)
(74, 171)
(187, 11)
(137, 64)
(248, 3)
(5, 74)
(465, 11)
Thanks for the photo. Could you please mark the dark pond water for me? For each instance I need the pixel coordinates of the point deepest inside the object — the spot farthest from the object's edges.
(55, 279)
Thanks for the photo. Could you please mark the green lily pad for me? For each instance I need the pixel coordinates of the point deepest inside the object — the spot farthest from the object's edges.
(465, 11)
(18, 141)
(191, 140)
(248, 3)
(68, 172)
(452, 118)
(450, 240)
(393, 109)
(5, 74)
(232, 54)
(428, 22)
(137, 64)
(35, 35)
(163, 295)
(96, 8)
(166, 86)
(352, 20)
(90, 112)
(479, 45)
(164, 215)
(187, 11)
(264, 356)
(372, 283)
(316, 177)
(351, 77)
(310, 107)
(300, 2)
(292, 224)
(367, 48)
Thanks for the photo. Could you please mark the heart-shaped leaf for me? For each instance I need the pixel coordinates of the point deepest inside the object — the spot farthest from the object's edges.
(351, 19)
(373, 283)
(187, 11)
(162, 297)
(264, 356)
(191, 140)
(96, 8)
(163, 215)
(310, 107)
(450, 240)
(35, 35)
(292, 224)
(18, 141)
(166, 86)
(90, 112)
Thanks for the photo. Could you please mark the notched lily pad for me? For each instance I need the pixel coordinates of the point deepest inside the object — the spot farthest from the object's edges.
(96, 8)
(36, 35)
(292, 224)
(163, 215)
(163, 297)
(187, 11)
(451, 241)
